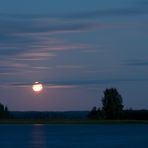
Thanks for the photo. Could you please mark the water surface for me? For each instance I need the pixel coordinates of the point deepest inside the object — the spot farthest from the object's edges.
(74, 136)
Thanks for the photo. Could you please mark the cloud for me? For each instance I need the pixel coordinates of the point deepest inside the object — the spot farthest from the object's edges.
(133, 8)
(61, 86)
(46, 86)
(110, 12)
(69, 66)
(31, 56)
(12, 25)
(19, 26)
(136, 63)
(21, 32)
(20, 36)
(12, 68)
(27, 39)
(76, 83)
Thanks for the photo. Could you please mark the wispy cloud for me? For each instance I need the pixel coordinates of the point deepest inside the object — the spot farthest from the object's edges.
(138, 63)
(133, 8)
(114, 12)
(76, 83)
(22, 33)
(28, 38)
(69, 66)
(29, 56)
(18, 36)
(61, 86)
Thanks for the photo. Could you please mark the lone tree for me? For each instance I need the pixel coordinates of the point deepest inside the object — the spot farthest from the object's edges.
(112, 104)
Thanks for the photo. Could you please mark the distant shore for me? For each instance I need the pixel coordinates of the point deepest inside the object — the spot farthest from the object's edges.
(25, 121)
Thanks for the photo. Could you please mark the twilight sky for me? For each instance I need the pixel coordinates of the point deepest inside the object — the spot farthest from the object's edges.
(76, 48)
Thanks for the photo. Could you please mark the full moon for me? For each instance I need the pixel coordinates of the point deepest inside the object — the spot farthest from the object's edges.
(37, 87)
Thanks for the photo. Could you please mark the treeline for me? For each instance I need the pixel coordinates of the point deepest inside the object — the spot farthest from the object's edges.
(128, 114)
(4, 113)
(51, 115)
(135, 114)
(112, 109)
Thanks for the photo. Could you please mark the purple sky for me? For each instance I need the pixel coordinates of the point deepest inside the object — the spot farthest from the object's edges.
(76, 49)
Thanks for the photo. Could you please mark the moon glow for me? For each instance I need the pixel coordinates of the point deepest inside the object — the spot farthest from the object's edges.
(37, 87)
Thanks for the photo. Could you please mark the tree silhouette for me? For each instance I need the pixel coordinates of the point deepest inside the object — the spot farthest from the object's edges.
(112, 104)
(93, 113)
(4, 113)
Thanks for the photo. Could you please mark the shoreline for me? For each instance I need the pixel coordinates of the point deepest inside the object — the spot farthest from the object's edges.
(64, 121)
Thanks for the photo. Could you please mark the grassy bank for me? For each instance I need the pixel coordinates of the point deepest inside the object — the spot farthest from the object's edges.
(16, 121)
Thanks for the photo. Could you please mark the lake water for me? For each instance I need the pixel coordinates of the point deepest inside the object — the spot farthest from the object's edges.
(74, 136)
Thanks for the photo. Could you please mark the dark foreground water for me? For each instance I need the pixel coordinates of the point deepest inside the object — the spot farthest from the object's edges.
(74, 136)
